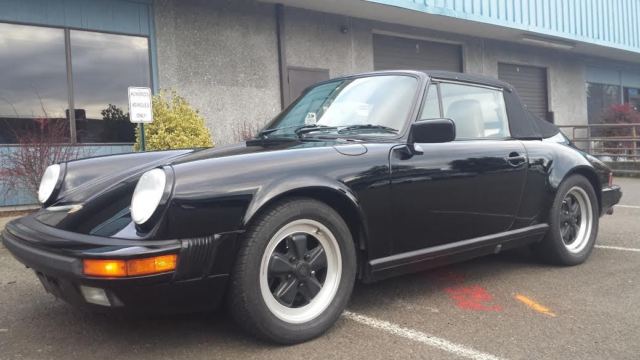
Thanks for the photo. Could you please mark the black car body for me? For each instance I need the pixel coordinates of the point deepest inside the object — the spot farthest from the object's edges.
(409, 205)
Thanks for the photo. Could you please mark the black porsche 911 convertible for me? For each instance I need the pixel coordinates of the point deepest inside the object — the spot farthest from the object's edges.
(363, 177)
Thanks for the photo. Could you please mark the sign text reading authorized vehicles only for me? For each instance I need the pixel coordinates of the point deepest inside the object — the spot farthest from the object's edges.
(140, 105)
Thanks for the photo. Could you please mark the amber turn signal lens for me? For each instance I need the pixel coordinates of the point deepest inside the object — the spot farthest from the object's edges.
(133, 267)
(107, 268)
(153, 265)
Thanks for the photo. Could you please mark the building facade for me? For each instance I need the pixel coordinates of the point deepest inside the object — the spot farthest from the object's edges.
(240, 61)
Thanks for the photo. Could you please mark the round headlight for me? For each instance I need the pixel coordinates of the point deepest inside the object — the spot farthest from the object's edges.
(147, 195)
(48, 182)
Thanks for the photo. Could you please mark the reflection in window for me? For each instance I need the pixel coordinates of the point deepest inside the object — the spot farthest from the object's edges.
(383, 100)
(632, 97)
(33, 80)
(600, 97)
(104, 66)
(478, 112)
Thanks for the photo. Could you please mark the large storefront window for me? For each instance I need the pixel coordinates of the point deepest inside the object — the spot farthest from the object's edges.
(104, 66)
(34, 82)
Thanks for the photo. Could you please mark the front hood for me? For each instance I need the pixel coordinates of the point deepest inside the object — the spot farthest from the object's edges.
(86, 178)
(261, 146)
(95, 196)
(98, 188)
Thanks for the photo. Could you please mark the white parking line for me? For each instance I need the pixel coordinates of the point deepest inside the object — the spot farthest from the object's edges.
(628, 206)
(420, 337)
(617, 248)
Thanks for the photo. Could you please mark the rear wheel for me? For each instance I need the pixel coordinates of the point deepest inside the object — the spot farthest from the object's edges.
(573, 221)
(295, 272)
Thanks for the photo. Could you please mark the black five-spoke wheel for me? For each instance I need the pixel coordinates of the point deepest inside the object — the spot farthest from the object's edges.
(571, 216)
(300, 271)
(294, 273)
(576, 217)
(297, 270)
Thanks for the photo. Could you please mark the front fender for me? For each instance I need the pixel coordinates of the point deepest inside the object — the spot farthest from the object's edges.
(282, 187)
(233, 211)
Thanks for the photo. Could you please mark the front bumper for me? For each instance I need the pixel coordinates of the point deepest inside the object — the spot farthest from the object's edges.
(198, 283)
(611, 195)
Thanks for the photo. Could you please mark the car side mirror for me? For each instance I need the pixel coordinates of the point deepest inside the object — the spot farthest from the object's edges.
(433, 131)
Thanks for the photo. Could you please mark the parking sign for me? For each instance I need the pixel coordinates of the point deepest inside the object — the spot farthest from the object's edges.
(140, 105)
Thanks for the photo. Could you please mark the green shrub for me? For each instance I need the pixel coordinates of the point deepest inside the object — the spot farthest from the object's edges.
(176, 125)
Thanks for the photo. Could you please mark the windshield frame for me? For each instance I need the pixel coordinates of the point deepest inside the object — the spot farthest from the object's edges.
(421, 78)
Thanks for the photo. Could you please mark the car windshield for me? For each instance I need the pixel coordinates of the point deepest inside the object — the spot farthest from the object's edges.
(368, 106)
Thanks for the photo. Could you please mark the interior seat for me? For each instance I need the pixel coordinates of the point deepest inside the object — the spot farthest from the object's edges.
(467, 115)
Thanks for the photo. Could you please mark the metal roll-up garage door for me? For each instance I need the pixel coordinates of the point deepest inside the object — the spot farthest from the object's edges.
(398, 53)
(531, 84)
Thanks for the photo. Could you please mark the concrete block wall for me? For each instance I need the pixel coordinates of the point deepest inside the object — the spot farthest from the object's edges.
(565, 76)
(222, 56)
(316, 40)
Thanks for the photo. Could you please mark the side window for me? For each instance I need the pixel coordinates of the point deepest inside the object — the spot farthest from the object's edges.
(478, 112)
(431, 108)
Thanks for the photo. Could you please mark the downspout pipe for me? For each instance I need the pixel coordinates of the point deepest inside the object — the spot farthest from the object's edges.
(282, 58)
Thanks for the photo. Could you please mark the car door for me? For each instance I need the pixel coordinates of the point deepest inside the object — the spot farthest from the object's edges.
(463, 189)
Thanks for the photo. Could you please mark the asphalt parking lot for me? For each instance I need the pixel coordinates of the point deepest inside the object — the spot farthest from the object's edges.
(506, 306)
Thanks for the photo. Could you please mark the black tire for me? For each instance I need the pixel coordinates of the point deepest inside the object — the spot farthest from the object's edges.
(246, 301)
(553, 248)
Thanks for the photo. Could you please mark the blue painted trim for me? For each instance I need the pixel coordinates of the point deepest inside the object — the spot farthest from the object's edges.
(117, 16)
(613, 25)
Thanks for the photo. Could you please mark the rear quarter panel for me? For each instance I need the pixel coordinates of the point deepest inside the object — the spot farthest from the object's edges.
(549, 164)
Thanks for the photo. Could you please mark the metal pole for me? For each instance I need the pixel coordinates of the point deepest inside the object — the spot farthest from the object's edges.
(141, 137)
(634, 136)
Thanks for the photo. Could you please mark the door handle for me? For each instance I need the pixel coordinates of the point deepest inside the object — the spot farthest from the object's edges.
(515, 159)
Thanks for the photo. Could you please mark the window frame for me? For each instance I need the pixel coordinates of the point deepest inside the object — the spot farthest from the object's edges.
(439, 82)
(73, 139)
(436, 85)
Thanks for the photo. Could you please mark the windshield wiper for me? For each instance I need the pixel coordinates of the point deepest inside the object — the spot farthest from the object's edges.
(368, 127)
(299, 129)
(269, 131)
(311, 128)
(305, 129)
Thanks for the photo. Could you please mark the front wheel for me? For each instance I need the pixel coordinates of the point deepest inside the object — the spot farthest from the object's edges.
(573, 222)
(294, 273)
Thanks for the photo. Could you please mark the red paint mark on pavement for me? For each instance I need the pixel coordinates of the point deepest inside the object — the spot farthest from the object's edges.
(472, 298)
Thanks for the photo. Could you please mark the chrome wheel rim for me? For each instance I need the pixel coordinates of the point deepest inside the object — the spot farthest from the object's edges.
(576, 220)
(300, 271)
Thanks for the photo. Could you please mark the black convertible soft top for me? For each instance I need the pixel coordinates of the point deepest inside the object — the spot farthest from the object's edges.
(522, 123)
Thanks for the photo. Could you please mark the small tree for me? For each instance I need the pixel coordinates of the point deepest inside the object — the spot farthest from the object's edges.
(176, 125)
(621, 114)
(44, 142)
(116, 124)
